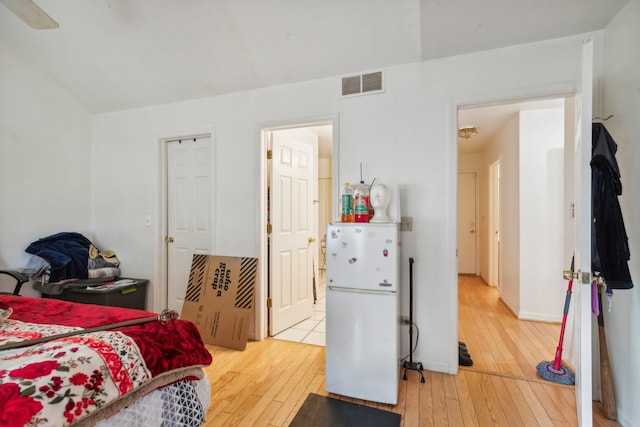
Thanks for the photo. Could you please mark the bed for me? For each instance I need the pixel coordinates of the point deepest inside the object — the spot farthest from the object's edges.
(144, 374)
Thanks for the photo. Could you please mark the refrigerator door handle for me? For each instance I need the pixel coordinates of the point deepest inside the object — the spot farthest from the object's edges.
(361, 291)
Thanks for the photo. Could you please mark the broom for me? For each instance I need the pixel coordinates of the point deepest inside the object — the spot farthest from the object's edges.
(554, 371)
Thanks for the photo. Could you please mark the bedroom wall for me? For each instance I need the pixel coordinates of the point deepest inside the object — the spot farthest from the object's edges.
(621, 97)
(405, 135)
(45, 160)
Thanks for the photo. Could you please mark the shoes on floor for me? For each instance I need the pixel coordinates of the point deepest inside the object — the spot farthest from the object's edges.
(464, 360)
(464, 357)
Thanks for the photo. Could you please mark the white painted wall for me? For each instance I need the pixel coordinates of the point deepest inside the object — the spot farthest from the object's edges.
(541, 193)
(621, 97)
(45, 160)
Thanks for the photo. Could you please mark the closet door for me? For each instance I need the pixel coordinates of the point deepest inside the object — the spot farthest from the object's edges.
(189, 211)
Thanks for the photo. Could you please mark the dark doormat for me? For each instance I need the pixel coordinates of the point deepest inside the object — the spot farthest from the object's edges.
(322, 411)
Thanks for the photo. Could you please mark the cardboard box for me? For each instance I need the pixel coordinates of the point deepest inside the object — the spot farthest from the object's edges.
(220, 298)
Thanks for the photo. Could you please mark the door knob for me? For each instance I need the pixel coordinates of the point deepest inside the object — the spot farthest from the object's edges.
(311, 239)
(168, 239)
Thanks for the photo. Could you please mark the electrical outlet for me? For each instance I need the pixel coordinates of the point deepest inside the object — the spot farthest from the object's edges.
(404, 320)
(406, 223)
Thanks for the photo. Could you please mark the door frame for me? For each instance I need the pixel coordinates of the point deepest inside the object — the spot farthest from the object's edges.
(159, 298)
(260, 315)
(456, 103)
(494, 97)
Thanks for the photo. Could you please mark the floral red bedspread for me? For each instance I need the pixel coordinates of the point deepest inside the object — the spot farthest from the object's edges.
(68, 380)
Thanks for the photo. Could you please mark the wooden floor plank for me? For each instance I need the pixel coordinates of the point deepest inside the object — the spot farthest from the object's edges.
(425, 408)
(507, 403)
(412, 405)
(482, 410)
(520, 402)
(268, 414)
(465, 400)
(440, 416)
(537, 407)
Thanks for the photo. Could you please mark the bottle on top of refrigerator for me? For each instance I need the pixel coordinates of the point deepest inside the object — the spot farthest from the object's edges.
(346, 203)
(361, 202)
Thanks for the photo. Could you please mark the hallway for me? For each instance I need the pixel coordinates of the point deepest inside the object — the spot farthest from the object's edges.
(498, 341)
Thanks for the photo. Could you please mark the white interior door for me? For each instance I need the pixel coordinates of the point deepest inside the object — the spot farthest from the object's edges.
(467, 230)
(189, 172)
(293, 218)
(582, 176)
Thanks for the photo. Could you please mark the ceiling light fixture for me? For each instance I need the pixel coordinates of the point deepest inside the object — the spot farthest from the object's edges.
(467, 132)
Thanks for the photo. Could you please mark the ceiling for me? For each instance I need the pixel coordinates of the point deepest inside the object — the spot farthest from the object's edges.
(491, 119)
(113, 55)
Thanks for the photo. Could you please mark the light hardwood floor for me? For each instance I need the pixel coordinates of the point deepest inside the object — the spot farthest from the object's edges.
(265, 384)
(497, 341)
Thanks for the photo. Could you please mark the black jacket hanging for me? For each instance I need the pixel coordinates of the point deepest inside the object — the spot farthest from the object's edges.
(609, 241)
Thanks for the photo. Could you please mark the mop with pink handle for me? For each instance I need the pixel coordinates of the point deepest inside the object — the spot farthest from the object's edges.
(554, 371)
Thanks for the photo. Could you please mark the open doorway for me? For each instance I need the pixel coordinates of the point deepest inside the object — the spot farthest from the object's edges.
(296, 215)
(509, 311)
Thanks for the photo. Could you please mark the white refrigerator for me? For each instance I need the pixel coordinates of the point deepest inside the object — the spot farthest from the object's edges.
(362, 324)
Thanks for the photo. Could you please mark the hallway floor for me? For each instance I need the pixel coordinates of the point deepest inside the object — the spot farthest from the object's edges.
(311, 330)
(497, 340)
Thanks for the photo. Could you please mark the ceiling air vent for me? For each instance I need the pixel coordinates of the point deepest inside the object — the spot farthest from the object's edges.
(362, 84)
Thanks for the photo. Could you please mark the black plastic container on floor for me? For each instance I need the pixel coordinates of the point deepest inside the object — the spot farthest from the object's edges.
(131, 296)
